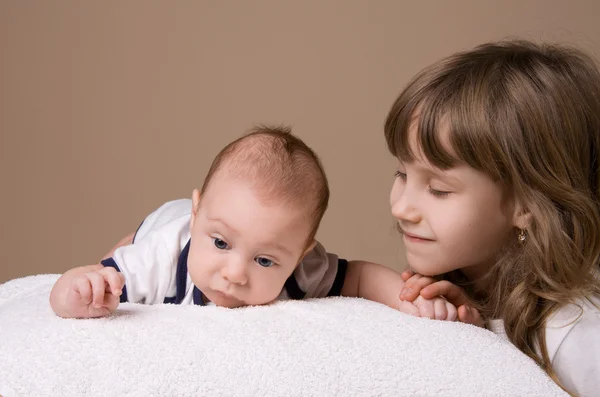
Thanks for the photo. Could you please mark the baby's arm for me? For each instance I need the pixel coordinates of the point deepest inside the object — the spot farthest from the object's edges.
(72, 294)
(381, 284)
(87, 291)
(127, 240)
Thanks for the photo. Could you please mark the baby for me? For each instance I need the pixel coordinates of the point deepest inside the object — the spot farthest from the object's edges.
(246, 238)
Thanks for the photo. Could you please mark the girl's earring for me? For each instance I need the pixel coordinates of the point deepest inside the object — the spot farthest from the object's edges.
(522, 235)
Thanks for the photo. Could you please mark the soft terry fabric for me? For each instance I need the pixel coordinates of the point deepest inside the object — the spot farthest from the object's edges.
(326, 347)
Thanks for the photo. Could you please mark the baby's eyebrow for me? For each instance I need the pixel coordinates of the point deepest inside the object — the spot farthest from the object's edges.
(281, 248)
(222, 222)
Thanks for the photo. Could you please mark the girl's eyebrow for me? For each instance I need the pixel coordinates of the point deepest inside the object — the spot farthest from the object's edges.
(433, 171)
(445, 176)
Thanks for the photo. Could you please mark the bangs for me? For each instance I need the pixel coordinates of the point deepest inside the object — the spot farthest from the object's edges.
(417, 133)
(447, 118)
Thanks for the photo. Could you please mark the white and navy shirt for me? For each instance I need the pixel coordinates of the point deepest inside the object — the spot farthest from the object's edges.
(155, 264)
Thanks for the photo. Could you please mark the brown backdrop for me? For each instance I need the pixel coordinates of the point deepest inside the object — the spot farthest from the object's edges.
(108, 109)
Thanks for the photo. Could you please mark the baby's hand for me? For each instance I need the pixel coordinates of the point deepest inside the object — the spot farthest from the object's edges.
(417, 286)
(95, 293)
(436, 309)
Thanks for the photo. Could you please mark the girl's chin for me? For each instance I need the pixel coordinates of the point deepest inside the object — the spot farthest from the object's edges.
(427, 270)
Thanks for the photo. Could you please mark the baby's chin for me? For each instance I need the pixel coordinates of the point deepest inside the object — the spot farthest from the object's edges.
(225, 301)
(233, 303)
(229, 304)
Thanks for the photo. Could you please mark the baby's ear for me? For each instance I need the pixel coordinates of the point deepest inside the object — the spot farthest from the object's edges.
(310, 247)
(195, 206)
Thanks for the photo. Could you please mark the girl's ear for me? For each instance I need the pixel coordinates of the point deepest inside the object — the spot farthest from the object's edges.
(195, 206)
(521, 217)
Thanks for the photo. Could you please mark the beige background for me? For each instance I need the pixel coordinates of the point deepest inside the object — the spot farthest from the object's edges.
(108, 109)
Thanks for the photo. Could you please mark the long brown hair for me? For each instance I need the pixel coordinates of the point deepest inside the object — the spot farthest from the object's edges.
(527, 115)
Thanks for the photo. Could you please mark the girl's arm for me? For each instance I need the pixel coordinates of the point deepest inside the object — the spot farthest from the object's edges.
(381, 284)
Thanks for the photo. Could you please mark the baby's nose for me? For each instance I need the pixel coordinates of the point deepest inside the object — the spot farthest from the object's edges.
(235, 273)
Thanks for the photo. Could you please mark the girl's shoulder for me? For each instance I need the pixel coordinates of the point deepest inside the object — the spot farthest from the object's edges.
(573, 343)
(582, 317)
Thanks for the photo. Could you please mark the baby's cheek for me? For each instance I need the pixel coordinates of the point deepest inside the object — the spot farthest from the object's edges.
(269, 290)
(201, 266)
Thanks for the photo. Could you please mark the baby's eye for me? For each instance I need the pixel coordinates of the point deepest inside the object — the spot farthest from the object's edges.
(220, 244)
(264, 262)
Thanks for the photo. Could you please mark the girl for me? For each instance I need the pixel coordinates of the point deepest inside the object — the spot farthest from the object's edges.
(498, 191)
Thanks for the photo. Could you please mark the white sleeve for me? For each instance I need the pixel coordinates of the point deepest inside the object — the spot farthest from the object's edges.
(149, 270)
(577, 360)
(163, 215)
(150, 263)
(320, 274)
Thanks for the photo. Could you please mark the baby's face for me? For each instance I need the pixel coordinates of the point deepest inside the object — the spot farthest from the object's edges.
(242, 251)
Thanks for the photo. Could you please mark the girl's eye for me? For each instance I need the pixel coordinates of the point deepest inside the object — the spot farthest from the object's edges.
(220, 244)
(438, 193)
(401, 175)
(264, 262)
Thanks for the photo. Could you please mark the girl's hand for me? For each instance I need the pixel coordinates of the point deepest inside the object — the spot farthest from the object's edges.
(416, 286)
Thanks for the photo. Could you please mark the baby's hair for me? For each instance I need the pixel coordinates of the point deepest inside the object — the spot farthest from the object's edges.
(528, 116)
(280, 167)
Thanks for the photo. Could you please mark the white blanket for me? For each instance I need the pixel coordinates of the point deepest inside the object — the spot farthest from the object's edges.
(327, 347)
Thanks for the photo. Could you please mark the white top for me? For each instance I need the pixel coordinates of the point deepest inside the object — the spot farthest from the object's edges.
(573, 343)
(155, 265)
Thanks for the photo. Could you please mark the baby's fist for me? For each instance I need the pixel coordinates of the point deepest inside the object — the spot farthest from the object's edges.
(95, 293)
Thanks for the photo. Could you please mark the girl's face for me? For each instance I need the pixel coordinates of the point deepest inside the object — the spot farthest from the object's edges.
(450, 219)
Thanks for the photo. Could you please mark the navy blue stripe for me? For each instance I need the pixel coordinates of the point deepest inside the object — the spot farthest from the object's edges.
(181, 275)
(181, 279)
(169, 299)
(197, 295)
(338, 283)
(110, 262)
(293, 289)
